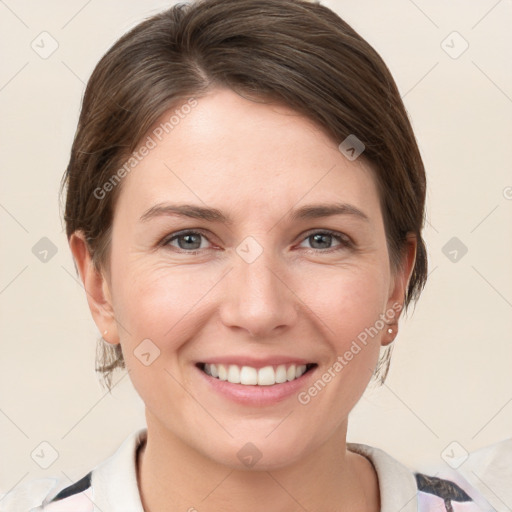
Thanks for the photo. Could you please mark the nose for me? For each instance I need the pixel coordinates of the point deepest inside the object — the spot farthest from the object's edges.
(258, 297)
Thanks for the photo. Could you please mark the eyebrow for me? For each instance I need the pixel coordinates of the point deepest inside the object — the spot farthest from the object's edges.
(312, 211)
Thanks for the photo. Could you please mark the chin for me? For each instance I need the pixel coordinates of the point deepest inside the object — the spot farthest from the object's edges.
(261, 453)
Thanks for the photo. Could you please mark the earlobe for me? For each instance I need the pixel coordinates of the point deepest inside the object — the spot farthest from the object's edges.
(96, 287)
(391, 330)
(398, 289)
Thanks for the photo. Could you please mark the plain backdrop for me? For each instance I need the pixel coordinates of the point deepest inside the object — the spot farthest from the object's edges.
(449, 388)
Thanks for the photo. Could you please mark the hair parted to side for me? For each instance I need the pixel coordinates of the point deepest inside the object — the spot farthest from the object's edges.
(295, 52)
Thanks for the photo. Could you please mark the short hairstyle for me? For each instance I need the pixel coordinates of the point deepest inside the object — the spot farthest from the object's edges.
(298, 53)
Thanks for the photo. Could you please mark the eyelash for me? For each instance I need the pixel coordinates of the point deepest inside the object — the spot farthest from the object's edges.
(344, 240)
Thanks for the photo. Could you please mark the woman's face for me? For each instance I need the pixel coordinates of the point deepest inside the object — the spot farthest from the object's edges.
(253, 276)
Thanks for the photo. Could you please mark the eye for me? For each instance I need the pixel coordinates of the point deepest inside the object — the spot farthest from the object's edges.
(191, 241)
(323, 240)
(188, 241)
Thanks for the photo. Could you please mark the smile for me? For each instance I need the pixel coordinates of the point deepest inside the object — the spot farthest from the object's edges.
(250, 376)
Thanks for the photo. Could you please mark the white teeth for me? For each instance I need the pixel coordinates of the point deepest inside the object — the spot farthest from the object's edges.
(234, 374)
(290, 373)
(249, 376)
(266, 376)
(281, 374)
(221, 370)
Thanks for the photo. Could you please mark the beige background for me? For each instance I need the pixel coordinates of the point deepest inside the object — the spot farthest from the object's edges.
(450, 378)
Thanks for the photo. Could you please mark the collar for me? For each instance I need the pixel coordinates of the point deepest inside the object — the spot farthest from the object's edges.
(114, 481)
(115, 487)
(397, 484)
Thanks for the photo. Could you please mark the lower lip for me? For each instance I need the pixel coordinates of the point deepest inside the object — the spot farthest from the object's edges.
(257, 395)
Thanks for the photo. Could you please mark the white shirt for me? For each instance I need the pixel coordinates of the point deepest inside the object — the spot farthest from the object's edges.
(112, 485)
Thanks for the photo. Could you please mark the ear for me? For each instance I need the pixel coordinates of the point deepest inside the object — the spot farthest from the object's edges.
(97, 288)
(398, 288)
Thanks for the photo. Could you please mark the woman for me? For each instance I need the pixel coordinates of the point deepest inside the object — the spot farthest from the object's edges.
(245, 201)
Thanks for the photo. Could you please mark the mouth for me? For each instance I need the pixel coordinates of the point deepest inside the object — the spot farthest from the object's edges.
(270, 375)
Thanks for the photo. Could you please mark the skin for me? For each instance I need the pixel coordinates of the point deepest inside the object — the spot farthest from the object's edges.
(255, 162)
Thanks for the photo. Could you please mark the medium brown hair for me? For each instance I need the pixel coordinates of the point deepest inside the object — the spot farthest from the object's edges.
(298, 53)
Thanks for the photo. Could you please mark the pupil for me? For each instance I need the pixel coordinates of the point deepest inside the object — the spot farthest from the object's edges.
(189, 239)
(318, 238)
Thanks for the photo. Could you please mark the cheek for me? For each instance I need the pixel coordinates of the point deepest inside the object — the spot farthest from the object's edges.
(162, 303)
(347, 301)
(155, 308)
(169, 304)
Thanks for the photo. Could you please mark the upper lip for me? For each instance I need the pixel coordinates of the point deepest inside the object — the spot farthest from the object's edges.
(256, 362)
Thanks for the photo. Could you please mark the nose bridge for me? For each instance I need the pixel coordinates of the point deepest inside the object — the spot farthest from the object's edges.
(257, 297)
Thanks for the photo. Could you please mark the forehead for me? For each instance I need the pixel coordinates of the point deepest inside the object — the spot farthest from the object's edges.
(240, 154)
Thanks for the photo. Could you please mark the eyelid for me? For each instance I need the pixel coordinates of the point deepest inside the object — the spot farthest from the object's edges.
(176, 234)
(344, 240)
(332, 232)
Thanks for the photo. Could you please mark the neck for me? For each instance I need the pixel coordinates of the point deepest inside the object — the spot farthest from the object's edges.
(173, 477)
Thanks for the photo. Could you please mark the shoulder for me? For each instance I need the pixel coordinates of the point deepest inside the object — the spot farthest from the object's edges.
(49, 495)
(448, 491)
(433, 488)
(489, 472)
(481, 479)
(111, 481)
